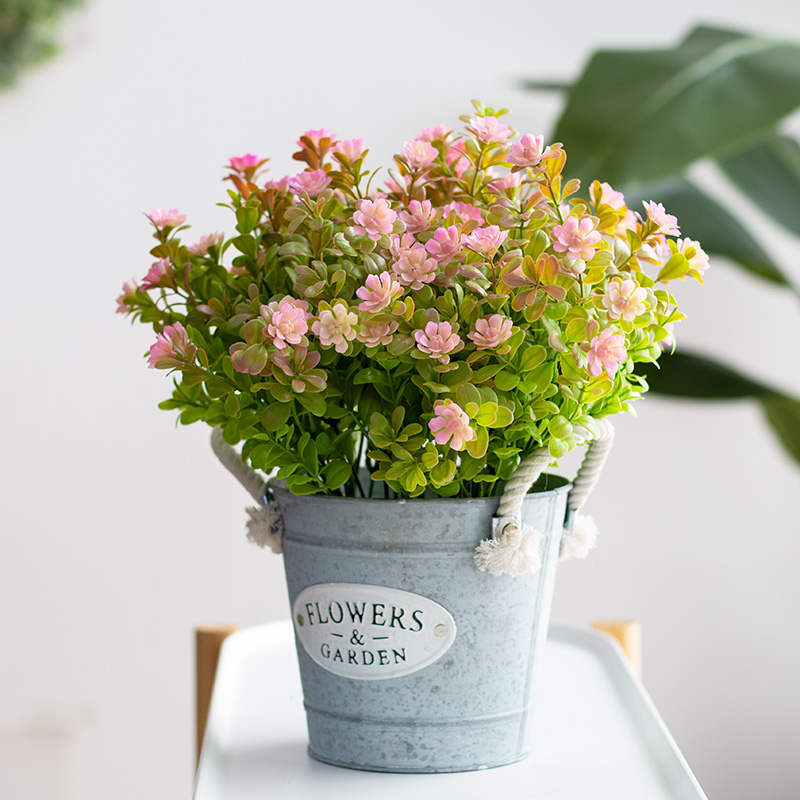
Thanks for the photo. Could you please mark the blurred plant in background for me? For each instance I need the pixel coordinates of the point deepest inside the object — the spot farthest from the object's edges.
(640, 119)
(26, 28)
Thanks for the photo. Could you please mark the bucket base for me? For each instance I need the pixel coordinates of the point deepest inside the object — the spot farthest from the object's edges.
(416, 770)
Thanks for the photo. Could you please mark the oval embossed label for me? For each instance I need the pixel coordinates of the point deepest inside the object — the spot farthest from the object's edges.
(371, 632)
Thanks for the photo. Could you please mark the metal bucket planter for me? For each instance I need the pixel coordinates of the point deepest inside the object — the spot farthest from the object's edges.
(411, 658)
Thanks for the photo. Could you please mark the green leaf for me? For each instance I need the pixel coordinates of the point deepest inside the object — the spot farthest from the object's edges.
(369, 375)
(783, 414)
(676, 267)
(489, 371)
(688, 375)
(642, 115)
(246, 244)
(275, 415)
(531, 357)
(191, 415)
(315, 403)
(478, 446)
(769, 174)
(302, 484)
(443, 472)
(505, 416)
(246, 218)
(506, 381)
(697, 377)
(336, 474)
(295, 247)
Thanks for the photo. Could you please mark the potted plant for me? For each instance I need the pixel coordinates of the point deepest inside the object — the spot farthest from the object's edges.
(406, 361)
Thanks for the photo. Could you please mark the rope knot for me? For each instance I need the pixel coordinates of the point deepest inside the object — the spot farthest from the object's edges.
(265, 527)
(514, 552)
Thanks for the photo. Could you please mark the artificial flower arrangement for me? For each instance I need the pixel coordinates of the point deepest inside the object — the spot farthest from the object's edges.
(436, 330)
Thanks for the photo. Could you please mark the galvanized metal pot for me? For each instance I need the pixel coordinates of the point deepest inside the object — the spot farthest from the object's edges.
(411, 659)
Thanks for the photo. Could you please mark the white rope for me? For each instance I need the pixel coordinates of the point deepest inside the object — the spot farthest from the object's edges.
(514, 548)
(592, 465)
(232, 461)
(518, 484)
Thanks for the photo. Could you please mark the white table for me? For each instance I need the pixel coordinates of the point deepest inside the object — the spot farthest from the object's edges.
(597, 735)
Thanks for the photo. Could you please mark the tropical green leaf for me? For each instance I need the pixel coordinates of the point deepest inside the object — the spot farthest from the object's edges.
(769, 174)
(697, 377)
(783, 414)
(647, 114)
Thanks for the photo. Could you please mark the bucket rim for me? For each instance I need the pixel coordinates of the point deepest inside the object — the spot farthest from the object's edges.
(554, 485)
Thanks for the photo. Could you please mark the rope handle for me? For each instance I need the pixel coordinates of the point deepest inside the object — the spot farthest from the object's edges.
(232, 461)
(509, 509)
(515, 549)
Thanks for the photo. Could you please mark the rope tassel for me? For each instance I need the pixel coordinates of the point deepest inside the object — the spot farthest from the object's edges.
(515, 552)
(265, 528)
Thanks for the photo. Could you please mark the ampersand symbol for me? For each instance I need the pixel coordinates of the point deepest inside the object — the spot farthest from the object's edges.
(356, 639)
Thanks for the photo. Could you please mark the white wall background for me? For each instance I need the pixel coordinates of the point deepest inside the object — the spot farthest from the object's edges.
(120, 532)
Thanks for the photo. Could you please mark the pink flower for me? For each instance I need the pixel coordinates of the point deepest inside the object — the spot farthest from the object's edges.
(160, 274)
(437, 134)
(172, 348)
(420, 153)
(697, 257)
(437, 340)
(665, 223)
(451, 425)
(576, 238)
(336, 327)
(311, 182)
(464, 211)
(243, 163)
(128, 289)
(625, 299)
(166, 219)
(509, 181)
(491, 331)
(399, 188)
(413, 268)
(485, 240)
(445, 245)
(419, 216)
(281, 185)
(376, 332)
(489, 129)
(287, 321)
(627, 224)
(399, 244)
(379, 292)
(374, 218)
(351, 149)
(201, 248)
(606, 352)
(457, 158)
(316, 137)
(528, 151)
(611, 197)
